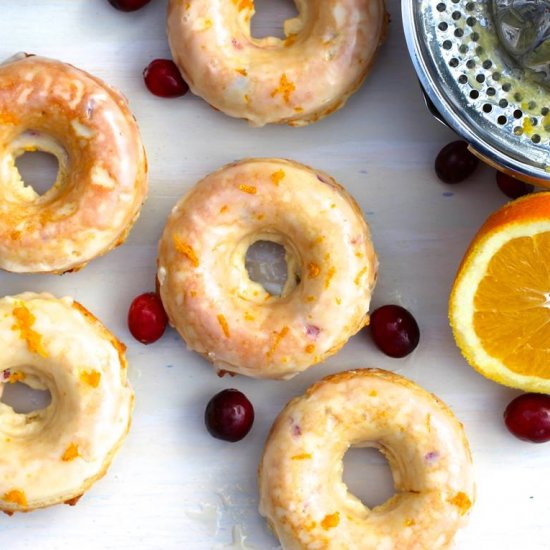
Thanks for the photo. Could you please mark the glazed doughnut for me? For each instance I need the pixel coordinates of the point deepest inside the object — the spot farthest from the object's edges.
(328, 51)
(53, 107)
(56, 454)
(302, 494)
(230, 319)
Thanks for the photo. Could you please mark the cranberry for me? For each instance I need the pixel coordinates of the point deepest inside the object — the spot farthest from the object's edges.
(146, 318)
(229, 415)
(512, 187)
(128, 5)
(394, 330)
(163, 79)
(455, 163)
(528, 417)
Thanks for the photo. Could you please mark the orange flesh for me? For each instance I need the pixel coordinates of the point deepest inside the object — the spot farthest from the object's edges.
(512, 315)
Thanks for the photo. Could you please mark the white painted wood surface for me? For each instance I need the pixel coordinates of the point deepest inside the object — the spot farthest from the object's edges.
(171, 482)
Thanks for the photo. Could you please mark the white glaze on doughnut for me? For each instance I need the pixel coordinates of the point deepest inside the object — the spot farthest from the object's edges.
(327, 53)
(215, 306)
(302, 494)
(53, 107)
(55, 454)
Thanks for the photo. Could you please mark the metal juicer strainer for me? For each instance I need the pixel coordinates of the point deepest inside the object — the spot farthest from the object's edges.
(485, 67)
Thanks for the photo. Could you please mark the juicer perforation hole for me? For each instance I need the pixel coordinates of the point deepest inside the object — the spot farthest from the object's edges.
(487, 108)
(531, 105)
(441, 7)
(459, 33)
(503, 103)
(518, 96)
(470, 64)
(491, 92)
(496, 78)
(518, 130)
(471, 21)
(487, 64)
(506, 87)
(453, 62)
(447, 45)
(470, 6)
(535, 138)
(544, 111)
(456, 15)
(479, 50)
(518, 113)
(474, 36)
(474, 94)
(480, 78)
(463, 48)
(443, 26)
(462, 79)
(502, 120)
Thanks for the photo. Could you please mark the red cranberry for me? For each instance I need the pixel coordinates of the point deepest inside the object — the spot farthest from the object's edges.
(394, 330)
(528, 417)
(146, 318)
(229, 415)
(128, 5)
(512, 187)
(455, 163)
(163, 79)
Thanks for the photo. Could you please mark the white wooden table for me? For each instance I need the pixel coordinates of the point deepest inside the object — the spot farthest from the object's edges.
(173, 486)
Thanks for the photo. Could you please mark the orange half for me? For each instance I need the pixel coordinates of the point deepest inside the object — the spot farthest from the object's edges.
(499, 307)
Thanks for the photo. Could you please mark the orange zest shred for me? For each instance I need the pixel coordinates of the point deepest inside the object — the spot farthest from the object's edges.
(409, 522)
(302, 456)
(373, 393)
(91, 378)
(338, 300)
(224, 208)
(330, 521)
(462, 502)
(71, 452)
(290, 40)
(246, 99)
(24, 321)
(223, 323)
(16, 377)
(285, 88)
(248, 317)
(359, 275)
(277, 176)
(185, 249)
(330, 275)
(8, 118)
(310, 298)
(244, 4)
(310, 348)
(278, 337)
(16, 497)
(244, 72)
(313, 270)
(250, 189)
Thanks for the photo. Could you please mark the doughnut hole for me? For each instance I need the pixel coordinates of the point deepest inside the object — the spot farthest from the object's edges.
(270, 18)
(38, 170)
(23, 399)
(265, 263)
(368, 476)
